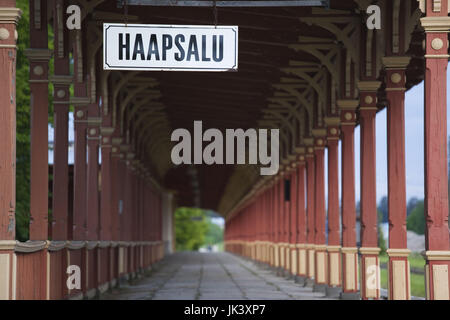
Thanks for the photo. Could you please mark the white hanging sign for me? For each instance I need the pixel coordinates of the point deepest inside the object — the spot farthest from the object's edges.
(147, 47)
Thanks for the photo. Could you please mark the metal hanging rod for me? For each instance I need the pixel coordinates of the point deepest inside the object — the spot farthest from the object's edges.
(207, 3)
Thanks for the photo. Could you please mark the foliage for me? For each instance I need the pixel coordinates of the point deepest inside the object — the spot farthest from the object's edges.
(214, 235)
(412, 203)
(23, 126)
(23, 113)
(416, 220)
(383, 208)
(191, 227)
(381, 240)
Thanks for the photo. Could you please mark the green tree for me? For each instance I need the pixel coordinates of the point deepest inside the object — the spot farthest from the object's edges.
(416, 220)
(383, 207)
(23, 126)
(23, 113)
(191, 226)
(214, 235)
(381, 240)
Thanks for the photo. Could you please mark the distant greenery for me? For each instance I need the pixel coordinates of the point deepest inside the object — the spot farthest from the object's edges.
(23, 127)
(417, 283)
(214, 235)
(194, 229)
(381, 240)
(191, 226)
(23, 121)
(416, 220)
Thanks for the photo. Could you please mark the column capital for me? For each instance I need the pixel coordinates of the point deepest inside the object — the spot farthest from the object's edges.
(348, 104)
(42, 55)
(10, 15)
(308, 141)
(94, 121)
(348, 117)
(80, 101)
(117, 141)
(93, 133)
(301, 159)
(300, 150)
(437, 255)
(332, 128)
(369, 86)
(398, 252)
(435, 24)
(348, 111)
(107, 131)
(332, 121)
(61, 80)
(310, 152)
(396, 62)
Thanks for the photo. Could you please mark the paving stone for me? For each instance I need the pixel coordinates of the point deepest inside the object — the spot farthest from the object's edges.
(211, 276)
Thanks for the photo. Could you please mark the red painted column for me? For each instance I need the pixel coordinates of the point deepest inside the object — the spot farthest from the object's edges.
(80, 174)
(320, 216)
(61, 100)
(9, 17)
(310, 212)
(116, 183)
(301, 222)
(334, 270)
(80, 101)
(276, 195)
(437, 244)
(39, 57)
(272, 223)
(287, 215)
(8, 21)
(107, 204)
(399, 286)
(293, 221)
(93, 141)
(370, 275)
(281, 224)
(349, 249)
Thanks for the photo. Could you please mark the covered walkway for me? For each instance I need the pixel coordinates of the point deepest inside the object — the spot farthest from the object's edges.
(314, 70)
(212, 276)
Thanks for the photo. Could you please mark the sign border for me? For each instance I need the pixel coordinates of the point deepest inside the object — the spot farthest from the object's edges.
(107, 26)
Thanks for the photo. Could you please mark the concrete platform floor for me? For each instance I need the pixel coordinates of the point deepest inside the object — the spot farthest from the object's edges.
(211, 276)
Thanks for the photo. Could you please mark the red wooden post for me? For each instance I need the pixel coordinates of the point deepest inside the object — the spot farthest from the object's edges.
(276, 208)
(301, 221)
(436, 25)
(370, 275)
(93, 140)
(281, 224)
(399, 286)
(349, 249)
(80, 101)
(9, 17)
(310, 234)
(334, 270)
(286, 216)
(293, 221)
(39, 57)
(106, 198)
(320, 214)
(61, 100)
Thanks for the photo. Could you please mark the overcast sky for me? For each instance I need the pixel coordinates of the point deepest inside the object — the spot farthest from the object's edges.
(414, 143)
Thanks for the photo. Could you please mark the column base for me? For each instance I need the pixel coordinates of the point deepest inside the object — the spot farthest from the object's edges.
(309, 283)
(350, 296)
(301, 280)
(279, 271)
(333, 292)
(320, 287)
